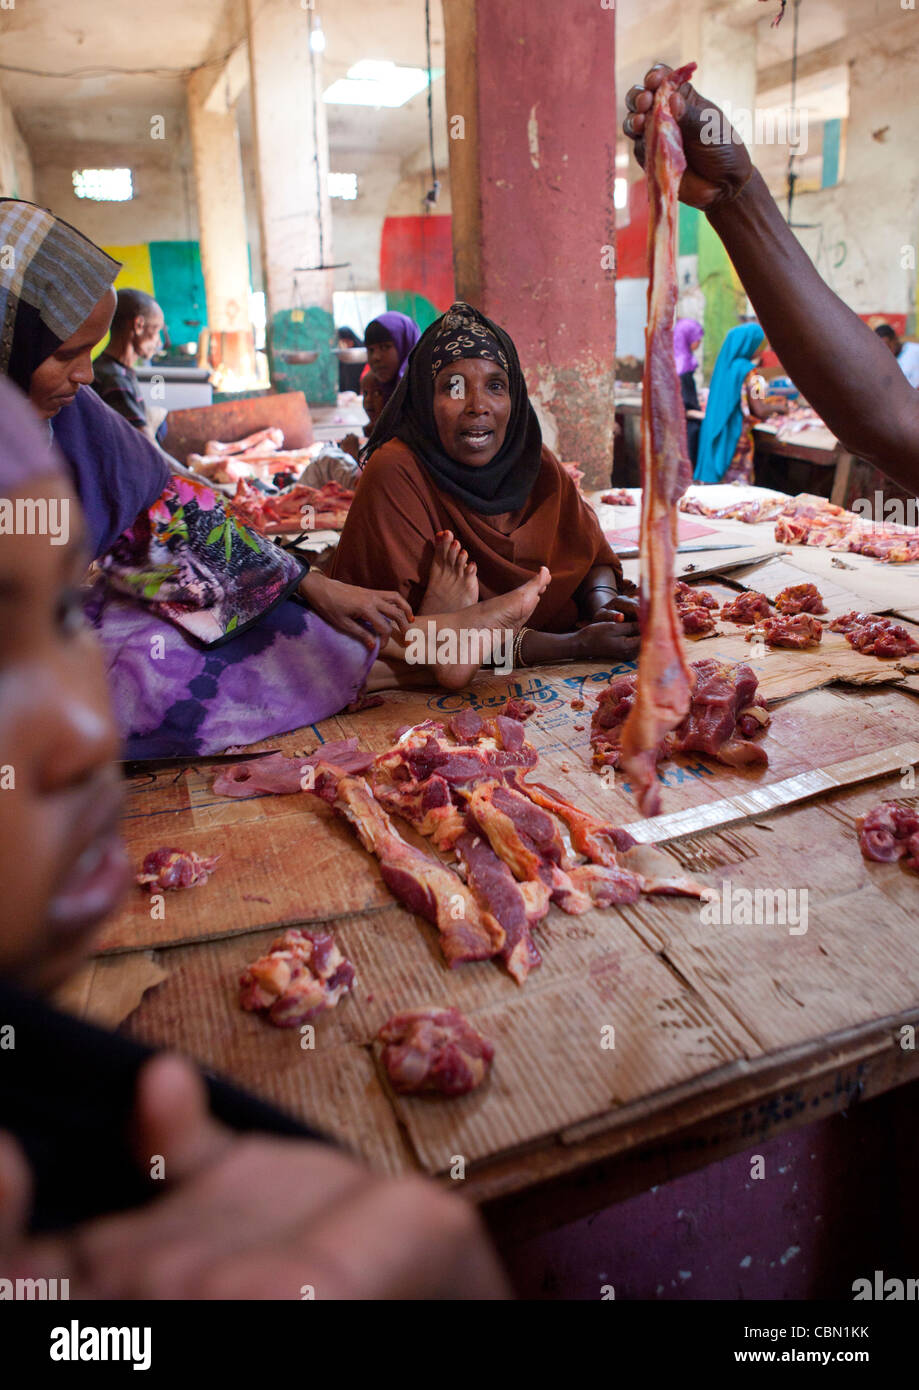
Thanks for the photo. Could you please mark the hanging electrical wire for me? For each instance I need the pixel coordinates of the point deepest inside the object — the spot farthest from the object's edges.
(433, 192)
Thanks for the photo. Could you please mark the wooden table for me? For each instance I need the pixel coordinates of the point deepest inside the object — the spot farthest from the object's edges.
(817, 446)
(827, 453)
(724, 1035)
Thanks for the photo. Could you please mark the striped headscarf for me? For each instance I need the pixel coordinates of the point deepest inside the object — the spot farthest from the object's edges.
(51, 278)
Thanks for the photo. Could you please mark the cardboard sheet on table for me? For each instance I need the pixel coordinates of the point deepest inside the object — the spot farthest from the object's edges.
(550, 1070)
(856, 960)
(333, 1086)
(783, 672)
(282, 860)
(106, 990)
(772, 576)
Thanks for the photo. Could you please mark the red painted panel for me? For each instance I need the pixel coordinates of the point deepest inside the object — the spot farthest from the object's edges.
(547, 150)
(632, 241)
(416, 254)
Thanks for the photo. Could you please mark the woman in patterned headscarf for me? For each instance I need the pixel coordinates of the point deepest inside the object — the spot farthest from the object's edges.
(457, 468)
(240, 655)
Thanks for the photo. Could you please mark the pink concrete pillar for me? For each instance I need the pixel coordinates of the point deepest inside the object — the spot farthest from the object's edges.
(531, 113)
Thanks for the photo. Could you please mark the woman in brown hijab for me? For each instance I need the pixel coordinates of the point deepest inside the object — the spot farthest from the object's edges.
(460, 501)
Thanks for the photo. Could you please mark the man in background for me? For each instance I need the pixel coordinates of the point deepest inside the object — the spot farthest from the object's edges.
(907, 354)
(135, 337)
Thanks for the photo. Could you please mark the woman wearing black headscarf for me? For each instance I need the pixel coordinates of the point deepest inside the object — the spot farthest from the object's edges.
(458, 452)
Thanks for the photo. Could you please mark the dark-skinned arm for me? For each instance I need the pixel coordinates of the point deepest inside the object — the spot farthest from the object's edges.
(842, 368)
(595, 591)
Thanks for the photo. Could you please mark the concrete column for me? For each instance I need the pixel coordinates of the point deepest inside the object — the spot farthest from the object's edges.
(221, 221)
(726, 55)
(532, 170)
(292, 162)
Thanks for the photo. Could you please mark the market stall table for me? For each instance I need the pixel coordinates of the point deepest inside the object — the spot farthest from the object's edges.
(723, 1035)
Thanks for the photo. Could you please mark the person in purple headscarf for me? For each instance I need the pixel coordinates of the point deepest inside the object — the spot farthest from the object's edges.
(389, 339)
(687, 335)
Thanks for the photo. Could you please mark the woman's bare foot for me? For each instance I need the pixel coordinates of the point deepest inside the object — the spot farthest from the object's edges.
(454, 645)
(452, 582)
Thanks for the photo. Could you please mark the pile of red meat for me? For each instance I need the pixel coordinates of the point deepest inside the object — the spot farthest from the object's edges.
(890, 832)
(619, 497)
(748, 607)
(303, 975)
(797, 631)
(724, 717)
(696, 609)
(297, 508)
(434, 1050)
(165, 869)
(875, 636)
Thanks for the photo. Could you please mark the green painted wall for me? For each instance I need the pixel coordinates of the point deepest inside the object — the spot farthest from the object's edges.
(304, 330)
(725, 300)
(415, 305)
(179, 287)
(688, 236)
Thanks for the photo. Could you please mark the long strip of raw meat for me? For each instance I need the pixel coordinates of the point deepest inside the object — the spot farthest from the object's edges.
(664, 680)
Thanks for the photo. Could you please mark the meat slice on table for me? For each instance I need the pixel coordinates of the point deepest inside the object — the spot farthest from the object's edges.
(801, 630)
(724, 716)
(516, 708)
(303, 975)
(428, 806)
(800, 598)
(418, 880)
(278, 775)
(890, 832)
(748, 607)
(619, 497)
(435, 1050)
(529, 841)
(501, 732)
(422, 750)
(875, 636)
(662, 696)
(599, 841)
(517, 906)
(166, 869)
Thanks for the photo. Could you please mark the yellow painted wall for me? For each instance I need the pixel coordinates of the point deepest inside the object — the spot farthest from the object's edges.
(135, 273)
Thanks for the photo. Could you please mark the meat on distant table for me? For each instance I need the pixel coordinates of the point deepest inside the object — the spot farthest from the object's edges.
(800, 598)
(166, 869)
(797, 632)
(303, 974)
(619, 497)
(890, 832)
(875, 636)
(434, 1050)
(748, 607)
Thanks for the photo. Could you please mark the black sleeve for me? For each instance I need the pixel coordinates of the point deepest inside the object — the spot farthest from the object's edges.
(67, 1094)
(690, 394)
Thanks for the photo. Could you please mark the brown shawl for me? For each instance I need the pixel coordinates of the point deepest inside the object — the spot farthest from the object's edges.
(388, 540)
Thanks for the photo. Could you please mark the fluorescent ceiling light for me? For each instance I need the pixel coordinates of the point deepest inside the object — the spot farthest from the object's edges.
(104, 185)
(375, 83)
(342, 185)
